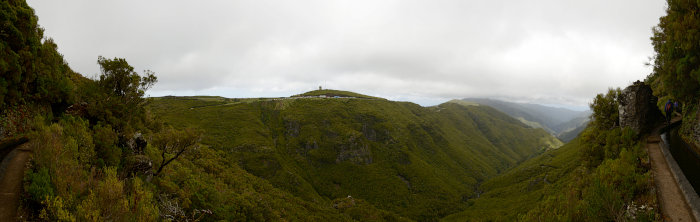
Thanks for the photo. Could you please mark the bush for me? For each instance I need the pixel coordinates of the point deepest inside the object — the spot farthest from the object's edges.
(605, 110)
(40, 185)
(603, 202)
(79, 141)
(105, 145)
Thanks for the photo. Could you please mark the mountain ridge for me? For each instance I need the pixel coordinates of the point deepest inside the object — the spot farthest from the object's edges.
(555, 120)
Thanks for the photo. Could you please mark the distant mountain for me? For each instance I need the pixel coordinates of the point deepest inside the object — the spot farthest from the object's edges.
(557, 121)
(323, 146)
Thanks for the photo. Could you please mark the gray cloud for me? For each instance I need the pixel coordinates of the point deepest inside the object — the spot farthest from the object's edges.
(546, 51)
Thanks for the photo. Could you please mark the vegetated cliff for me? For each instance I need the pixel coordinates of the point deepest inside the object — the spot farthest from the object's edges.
(602, 175)
(415, 161)
(677, 65)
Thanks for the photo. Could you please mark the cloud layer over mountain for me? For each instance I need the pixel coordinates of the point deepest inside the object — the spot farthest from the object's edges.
(543, 51)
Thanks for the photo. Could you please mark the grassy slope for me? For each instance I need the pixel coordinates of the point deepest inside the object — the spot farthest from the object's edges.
(576, 182)
(519, 189)
(426, 161)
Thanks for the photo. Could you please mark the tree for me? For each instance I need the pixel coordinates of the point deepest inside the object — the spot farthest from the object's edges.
(117, 96)
(605, 110)
(676, 41)
(31, 69)
(121, 80)
(175, 143)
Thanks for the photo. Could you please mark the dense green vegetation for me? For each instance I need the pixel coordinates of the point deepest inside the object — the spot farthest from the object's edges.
(32, 70)
(426, 160)
(677, 45)
(603, 175)
(676, 63)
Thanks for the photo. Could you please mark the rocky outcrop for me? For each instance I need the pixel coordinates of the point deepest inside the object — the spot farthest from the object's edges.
(369, 133)
(137, 143)
(637, 108)
(354, 151)
(292, 127)
(343, 203)
(78, 109)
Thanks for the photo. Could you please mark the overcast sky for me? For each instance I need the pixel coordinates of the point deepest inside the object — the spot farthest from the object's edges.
(542, 51)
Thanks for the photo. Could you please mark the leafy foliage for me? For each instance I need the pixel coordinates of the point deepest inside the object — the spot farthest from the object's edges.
(116, 98)
(65, 187)
(31, 68)
(676, 64)
(120, 80)
(173, 143)
(40, 186)
(605, 110)
(105, 146)
(676, 41)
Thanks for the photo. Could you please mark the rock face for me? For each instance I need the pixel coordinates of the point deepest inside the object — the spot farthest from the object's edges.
(137, 144)
(637, 108)
(354, 151)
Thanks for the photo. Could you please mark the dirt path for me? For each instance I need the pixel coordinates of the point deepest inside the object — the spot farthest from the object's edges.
(11, 182)
(672, 201)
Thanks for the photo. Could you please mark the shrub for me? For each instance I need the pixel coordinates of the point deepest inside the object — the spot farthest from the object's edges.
(105, 144)
(605, 110)
(40, 185)
(603, 203)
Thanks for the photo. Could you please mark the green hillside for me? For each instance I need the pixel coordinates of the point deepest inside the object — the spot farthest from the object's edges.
(519, 189)
(557, 185)
(602, 175)
(418, 162)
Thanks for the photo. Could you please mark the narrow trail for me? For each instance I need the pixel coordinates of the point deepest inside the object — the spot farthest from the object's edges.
(671, 199)
(11, 181)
